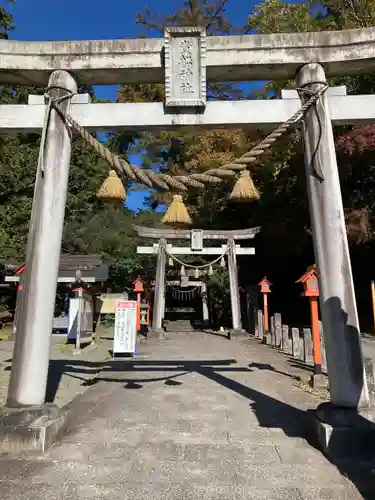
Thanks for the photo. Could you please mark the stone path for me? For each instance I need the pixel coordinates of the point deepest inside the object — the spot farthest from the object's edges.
(194, 417)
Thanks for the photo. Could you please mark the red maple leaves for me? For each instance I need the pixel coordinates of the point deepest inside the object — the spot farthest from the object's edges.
(358, 140)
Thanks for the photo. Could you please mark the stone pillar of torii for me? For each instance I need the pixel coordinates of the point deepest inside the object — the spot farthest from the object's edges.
(196, 237)
(310, 58)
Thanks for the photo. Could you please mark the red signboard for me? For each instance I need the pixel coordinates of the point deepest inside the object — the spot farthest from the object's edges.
(126, 304)
(20, 270)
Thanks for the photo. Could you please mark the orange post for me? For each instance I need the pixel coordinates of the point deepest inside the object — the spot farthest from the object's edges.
(148, 316)
(264, 289)
(309, 280)
(315, 335)
(265, 312)
(373, 300)
(138, 311)
(138, 288)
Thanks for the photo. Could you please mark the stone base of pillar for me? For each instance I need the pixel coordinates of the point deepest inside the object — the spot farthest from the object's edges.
(34, 428)
(157, 333)
(318, 381)
(343, 432)
(267, 338)
(238, 333)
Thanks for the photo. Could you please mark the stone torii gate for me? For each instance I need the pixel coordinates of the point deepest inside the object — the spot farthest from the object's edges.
(196, 237)
(308, 57)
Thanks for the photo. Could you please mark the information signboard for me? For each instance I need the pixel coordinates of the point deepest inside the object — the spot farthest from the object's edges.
(125, 327)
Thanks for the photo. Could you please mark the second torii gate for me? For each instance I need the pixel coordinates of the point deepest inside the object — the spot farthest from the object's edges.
(196, 237)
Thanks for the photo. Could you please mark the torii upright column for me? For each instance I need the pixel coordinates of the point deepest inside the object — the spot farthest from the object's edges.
(28, 378)
(205, 312)
(234, 290)
(347, 381)
(158, 310)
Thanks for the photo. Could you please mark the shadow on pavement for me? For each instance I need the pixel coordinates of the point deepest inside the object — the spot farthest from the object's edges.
(270, 412)
(270, 368)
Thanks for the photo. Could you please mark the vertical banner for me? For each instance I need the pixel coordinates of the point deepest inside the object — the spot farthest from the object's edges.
(125, 327)
(73, 318)
(80, 320)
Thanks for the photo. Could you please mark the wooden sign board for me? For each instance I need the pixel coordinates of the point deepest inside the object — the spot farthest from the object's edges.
(106, 302)
(196, 239)
(185, 281)
(125, 327)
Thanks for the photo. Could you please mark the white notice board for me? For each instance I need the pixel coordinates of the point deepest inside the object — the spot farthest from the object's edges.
(125, 327)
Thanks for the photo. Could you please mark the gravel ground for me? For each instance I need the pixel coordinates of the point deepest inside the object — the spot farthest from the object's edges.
(70, 373)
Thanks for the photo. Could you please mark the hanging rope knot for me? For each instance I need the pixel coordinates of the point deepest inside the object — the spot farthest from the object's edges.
(50, 102)
(305, 88)
(314, 102)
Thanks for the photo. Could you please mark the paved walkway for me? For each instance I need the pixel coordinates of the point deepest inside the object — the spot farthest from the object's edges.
(197, 417)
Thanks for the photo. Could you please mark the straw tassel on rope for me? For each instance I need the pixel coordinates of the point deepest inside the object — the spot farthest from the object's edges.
(112, 188)
(177, 213)
(244, 189)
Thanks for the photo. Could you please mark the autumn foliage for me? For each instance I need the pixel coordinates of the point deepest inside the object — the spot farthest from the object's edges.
(357, 141)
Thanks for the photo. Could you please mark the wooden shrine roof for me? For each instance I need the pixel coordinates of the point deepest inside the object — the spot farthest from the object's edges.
(88, 268)
(68, 262)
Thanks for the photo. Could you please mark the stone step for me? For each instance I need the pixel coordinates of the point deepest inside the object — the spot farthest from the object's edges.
(178, 326)
(179, 329)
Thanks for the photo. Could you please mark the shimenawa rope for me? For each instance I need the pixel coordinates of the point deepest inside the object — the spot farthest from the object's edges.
(181, 183)
(208, 264)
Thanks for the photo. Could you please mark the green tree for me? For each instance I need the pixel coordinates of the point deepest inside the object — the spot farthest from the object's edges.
(6, 19)
(285, 197)
(219, 298)
(90, 225)
(109, 232)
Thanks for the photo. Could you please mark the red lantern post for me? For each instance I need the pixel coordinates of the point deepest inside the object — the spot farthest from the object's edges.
(138, 288)
(311, 289)
(148, 315)
(264, 289)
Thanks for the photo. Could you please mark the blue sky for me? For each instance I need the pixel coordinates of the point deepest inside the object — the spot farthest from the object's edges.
(98, 20)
